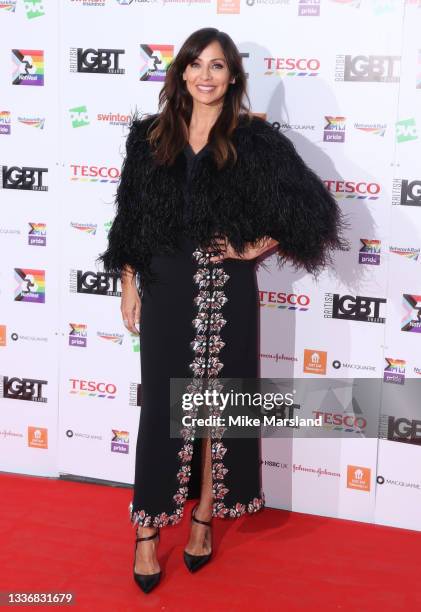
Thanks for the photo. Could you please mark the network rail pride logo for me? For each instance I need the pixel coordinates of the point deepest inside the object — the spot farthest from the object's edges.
(113, 338)
(411, 321)
(334, 130)
(291, 66)
(369, 253)
(394, 371)
(368, 68)
(354, 308)
(374, 129)
(5, 123)
(26, 389)
(96, 61)
(30, 285)
(308, 8)
(29, 178)
(85, 228)
(154, 61)
(411, 253)
(406, 192)
(28, 67)
(37, 235)
(119, 441)
(78, 334)
(36, 122)
(8, 5)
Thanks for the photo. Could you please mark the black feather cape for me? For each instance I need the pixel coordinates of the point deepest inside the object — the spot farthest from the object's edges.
(269, 191)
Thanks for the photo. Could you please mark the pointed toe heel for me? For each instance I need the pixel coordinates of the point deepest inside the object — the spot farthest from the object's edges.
(146, 582)
(195, 562)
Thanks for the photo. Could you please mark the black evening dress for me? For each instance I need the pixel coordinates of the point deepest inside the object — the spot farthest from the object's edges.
(182, 313)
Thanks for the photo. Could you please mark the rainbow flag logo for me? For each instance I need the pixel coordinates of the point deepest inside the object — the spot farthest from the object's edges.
(28, 67)
(30, 285)
(8, 5)
(154, 61)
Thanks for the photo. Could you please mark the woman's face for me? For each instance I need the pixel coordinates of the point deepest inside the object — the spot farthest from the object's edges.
(207, 77)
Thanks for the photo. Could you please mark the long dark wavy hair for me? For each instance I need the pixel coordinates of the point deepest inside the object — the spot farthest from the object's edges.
(169, 133)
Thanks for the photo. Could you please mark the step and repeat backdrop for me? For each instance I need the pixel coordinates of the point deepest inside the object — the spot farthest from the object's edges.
(342, 79)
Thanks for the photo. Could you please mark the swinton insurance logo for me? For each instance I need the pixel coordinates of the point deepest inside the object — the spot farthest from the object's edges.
(334, 130)
(308, 8)
(37, 235)
(394, 371)
(5, 123)
(28, 178)
(95, 283)
(369, 253)
(291, 66)
(26, 389)
(154, 61)
(28, 67)
(92, 388)
(284, 301)
(79, 116)
(30, 285)
(357, 190)
(406, 192)
(96, 61)
(368, 68)
(119, 441)
(411, 321)
(78, 334)
(354, 308)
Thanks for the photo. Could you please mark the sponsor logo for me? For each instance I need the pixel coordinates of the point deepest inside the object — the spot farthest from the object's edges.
(353, 190)
(358, 477)
(368, 68)
(400, 429)
(37, 122)
(119, 441)
(26, 389)
(375, 129)
(154, 61)
(275, 464)
(8, 433)
(96, 61)
(90, 2)
(37, 235)
(411, 321)
(311, 470)
(284, 127)
(291, 66)
(37, 437)
(399, 483)
(95, 283)
(23, 177)
(3, 335)
(78, 335)
(28, 67)
(406, 130)
(8, 5)
(79, 116)
(314, 361)
(113, 118)
(352, 3)
(408, 252)
(334, 130)
(135, 394)
(77, 434)
(228, 7)
(354, 308)
(92, 388)
(135, 343)
(354, 366)
(5, 122)
(86, 228)
(267, 2)
(284, 301)
(94, 174)
(34, 8)
(348, 423)
(406, 193)
(278, 357)
(112, 338)
(394, 371)
(15, 337)
(308, 8)
(31, 285)
(370, 252)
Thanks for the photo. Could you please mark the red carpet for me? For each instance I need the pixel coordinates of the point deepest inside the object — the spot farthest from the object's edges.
(67, 536)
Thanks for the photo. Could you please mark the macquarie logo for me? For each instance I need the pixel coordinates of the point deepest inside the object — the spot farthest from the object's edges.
(394, 371)
(368, 68)
(411, 320)
(96, 61)
(308, 8)
(369, 253)
(95, 283)
(334, 130)
(37, 235)
(284, 301)
(353, 190)
(5, 123)
(79, 116)
(406, 192)
(78, 334)
(29, 178)
(28, 67)
(291, 66)
(92, 388)
(354, 308)
(30, 285)
(406, 130)
(314, 361)
(26, 389)
(154, 61)
(119, 441)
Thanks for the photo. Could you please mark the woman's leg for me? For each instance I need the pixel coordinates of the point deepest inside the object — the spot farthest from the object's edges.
(146, 559)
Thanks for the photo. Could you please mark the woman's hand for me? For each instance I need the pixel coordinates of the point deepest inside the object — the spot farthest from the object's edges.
(253, 249)
(130, 301)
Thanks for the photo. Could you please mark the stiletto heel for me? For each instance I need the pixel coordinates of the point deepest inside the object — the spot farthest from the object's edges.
(195, 562)
(146, 581)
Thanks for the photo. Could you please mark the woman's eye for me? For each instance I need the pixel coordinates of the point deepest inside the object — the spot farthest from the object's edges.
(218, 65)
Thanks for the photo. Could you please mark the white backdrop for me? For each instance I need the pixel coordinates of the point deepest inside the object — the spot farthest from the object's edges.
(343, 80)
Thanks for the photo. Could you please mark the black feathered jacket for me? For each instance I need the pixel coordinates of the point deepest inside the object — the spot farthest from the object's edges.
(269, 191)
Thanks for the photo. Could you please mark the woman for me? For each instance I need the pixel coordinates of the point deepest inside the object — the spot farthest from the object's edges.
(205, 189)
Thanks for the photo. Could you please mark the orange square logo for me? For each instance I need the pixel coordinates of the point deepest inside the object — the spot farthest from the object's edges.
(315, 361)
(229, 7)
(358, 477)
(2, 335)
(37, 437)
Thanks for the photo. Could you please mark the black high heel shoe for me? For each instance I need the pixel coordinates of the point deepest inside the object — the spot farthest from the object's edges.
(195, 562)
(146, 581)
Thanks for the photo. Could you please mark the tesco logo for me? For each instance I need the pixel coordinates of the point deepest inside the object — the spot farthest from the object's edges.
(362, 188)
(98, 172)
(92, 388)
(292, 300)
(290, 63)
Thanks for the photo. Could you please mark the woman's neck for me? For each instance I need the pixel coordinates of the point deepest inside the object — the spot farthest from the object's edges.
(203, 118)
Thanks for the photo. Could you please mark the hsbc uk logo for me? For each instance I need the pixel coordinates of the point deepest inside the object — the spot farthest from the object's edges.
(354, 308)
(368, 68)
(26, 389)
(29, 178)
(406, 192)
